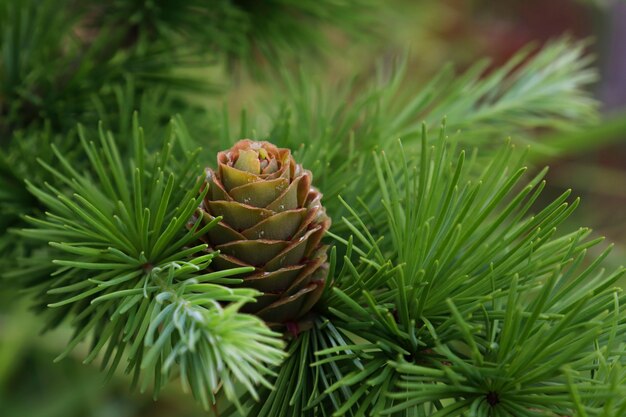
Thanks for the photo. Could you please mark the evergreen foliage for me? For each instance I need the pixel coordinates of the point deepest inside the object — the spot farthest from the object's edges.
(454, 292)
(57, 55)
(68, 61)
(455, 300)
(545, 92)
(127, 271)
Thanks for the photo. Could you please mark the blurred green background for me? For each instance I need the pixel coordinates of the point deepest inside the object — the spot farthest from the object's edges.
(434, 32)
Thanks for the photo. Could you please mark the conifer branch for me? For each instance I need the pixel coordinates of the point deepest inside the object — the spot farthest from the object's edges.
(126, 273)
(332, 129)
(469, 304)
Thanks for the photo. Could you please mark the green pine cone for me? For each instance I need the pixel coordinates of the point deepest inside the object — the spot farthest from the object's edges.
(273, 220)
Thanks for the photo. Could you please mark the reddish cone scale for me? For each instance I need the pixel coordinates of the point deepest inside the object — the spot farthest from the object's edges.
(273, 220)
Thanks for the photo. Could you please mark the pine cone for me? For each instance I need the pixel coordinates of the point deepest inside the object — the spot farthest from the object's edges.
(273, 220)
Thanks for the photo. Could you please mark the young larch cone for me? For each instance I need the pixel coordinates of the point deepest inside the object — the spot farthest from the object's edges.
(273, 220)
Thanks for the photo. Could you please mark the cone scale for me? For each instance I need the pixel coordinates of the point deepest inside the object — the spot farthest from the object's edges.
(272, 220)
